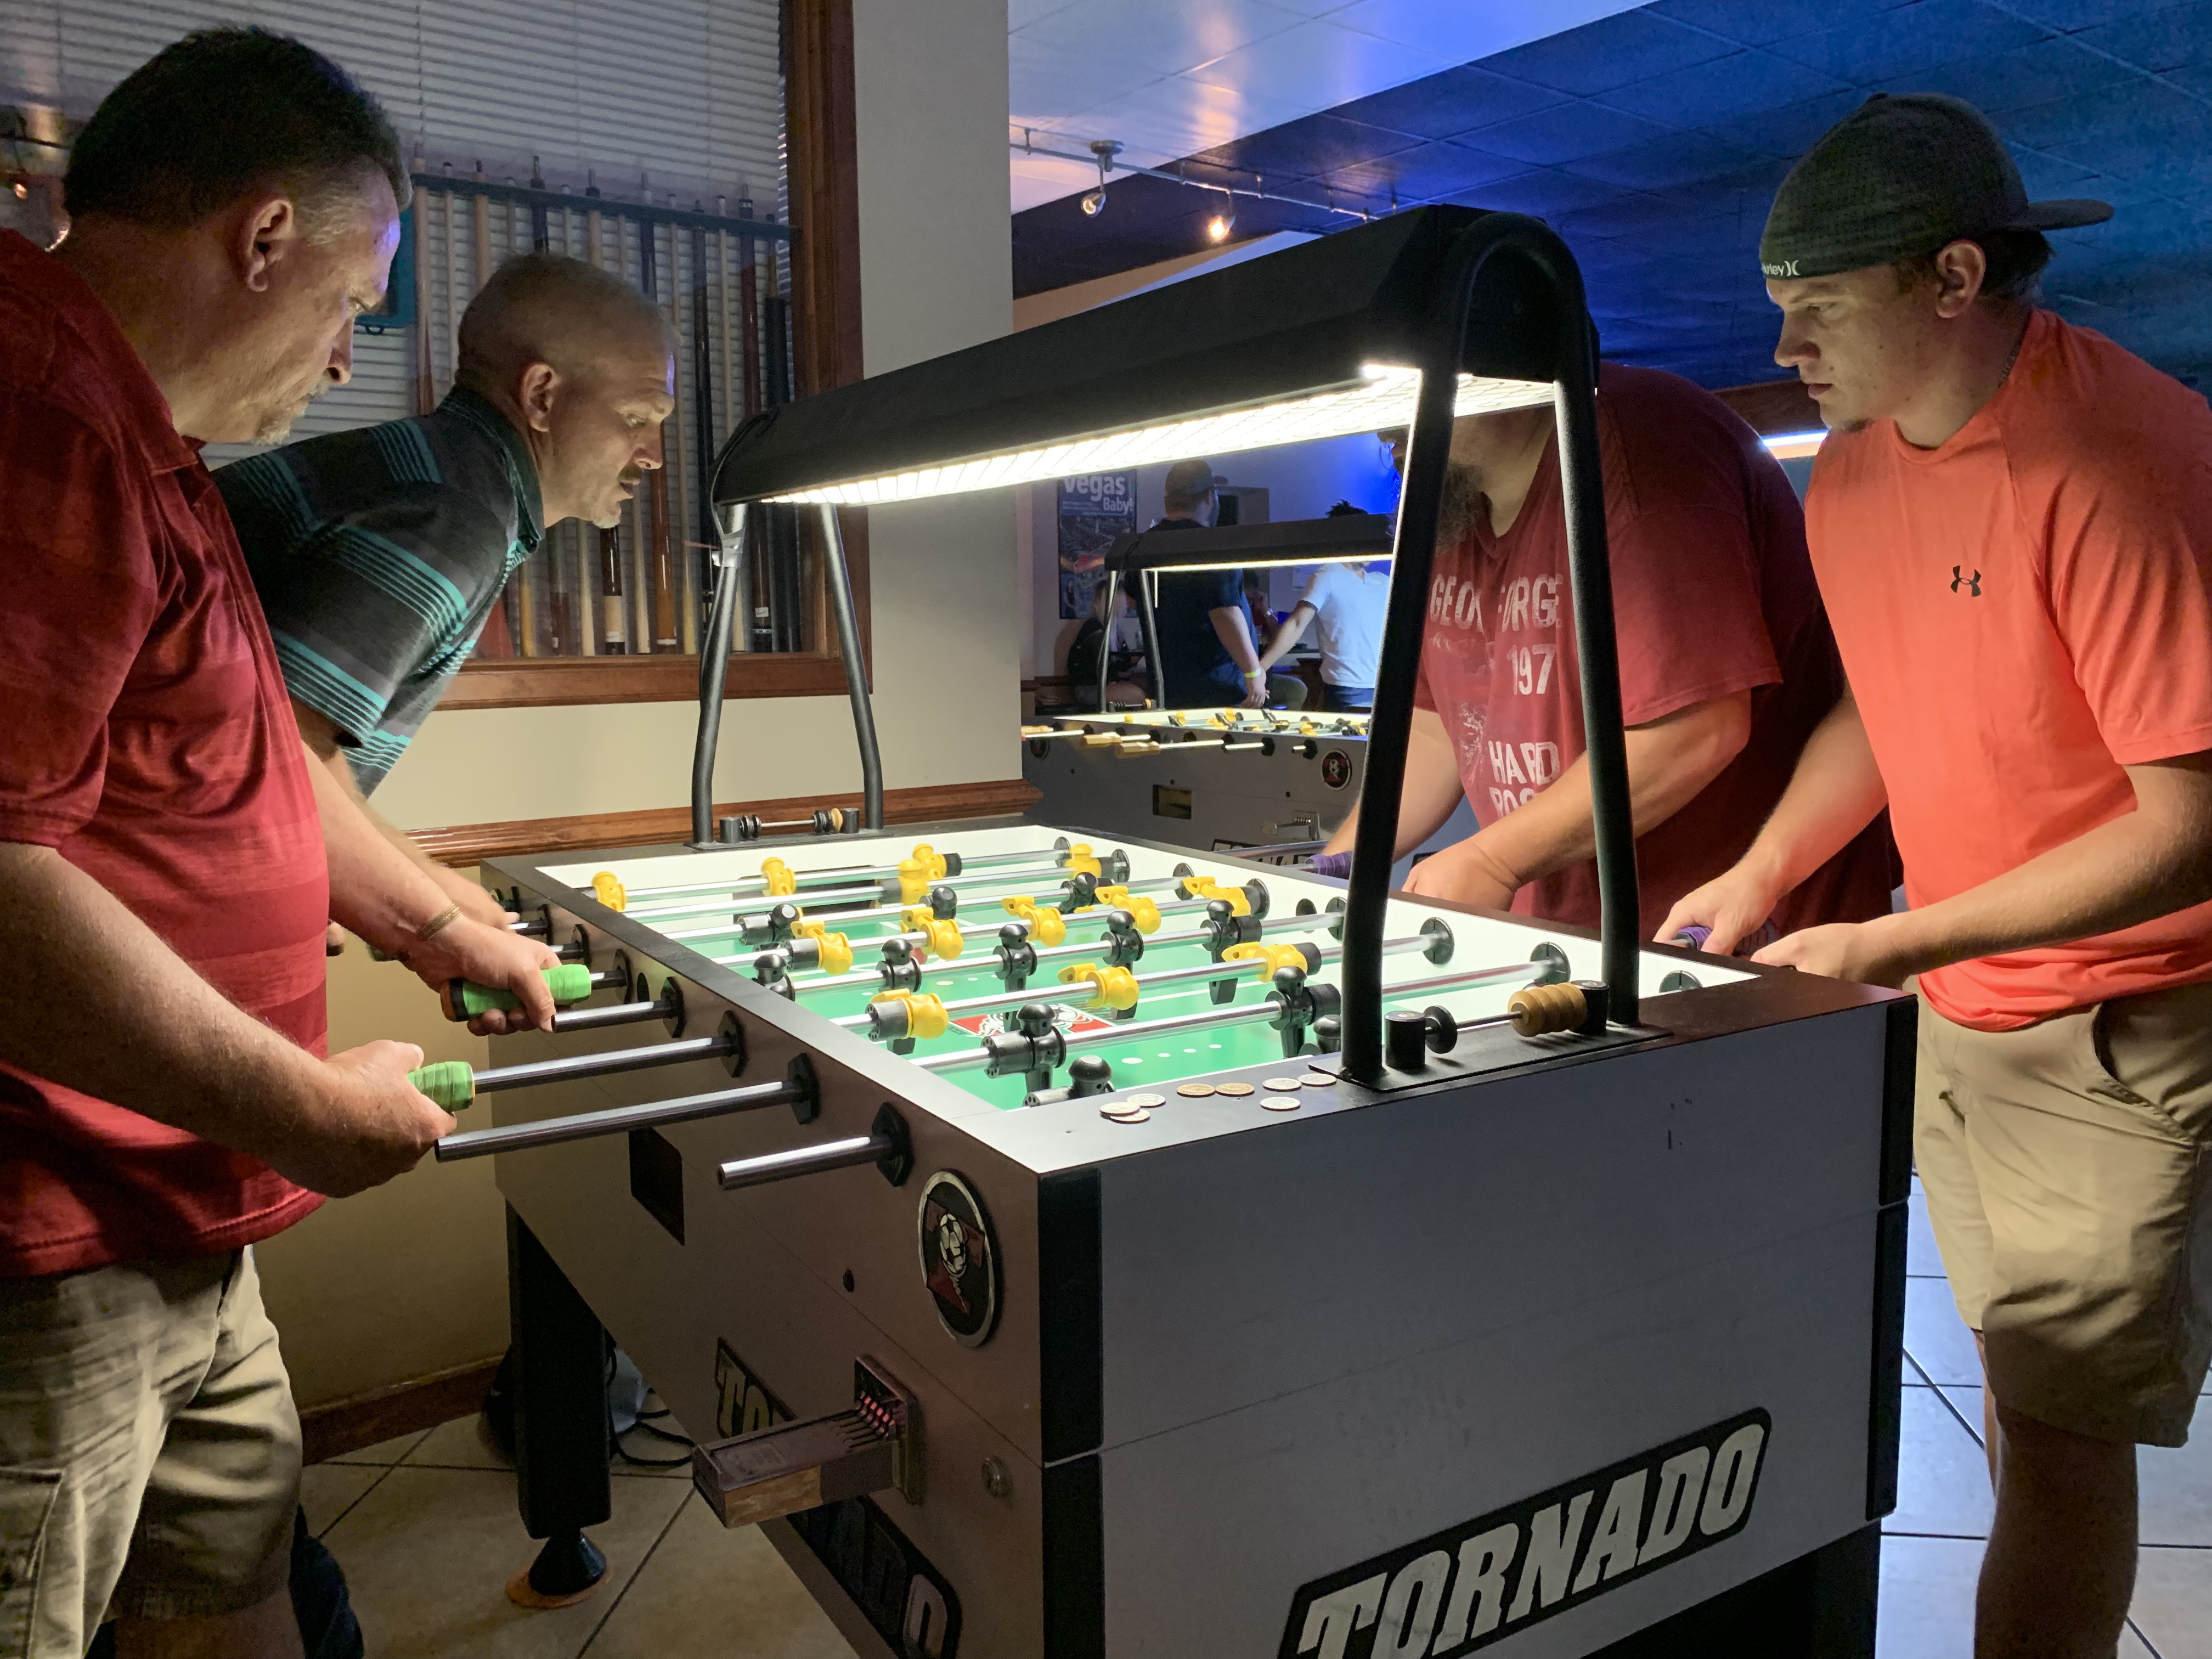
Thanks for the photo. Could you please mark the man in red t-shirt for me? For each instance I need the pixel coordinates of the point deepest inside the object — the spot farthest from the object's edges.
(2012, 525)
(1726, 663)
(166, 873)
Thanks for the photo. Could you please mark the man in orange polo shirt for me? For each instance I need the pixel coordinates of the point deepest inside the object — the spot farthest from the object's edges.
(2012, 526)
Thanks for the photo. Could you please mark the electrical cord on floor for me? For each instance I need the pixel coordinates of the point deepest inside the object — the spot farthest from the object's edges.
(646, 1424)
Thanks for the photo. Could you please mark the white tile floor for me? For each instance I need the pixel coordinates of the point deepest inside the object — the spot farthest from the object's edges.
(1932, 1545)
(426, 1529)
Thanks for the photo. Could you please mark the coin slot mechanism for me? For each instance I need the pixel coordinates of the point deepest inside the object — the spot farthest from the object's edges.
(874, 1446)
(1168, 802)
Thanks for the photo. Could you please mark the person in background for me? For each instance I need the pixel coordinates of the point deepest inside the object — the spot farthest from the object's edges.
(1208, 657)
(1283, 691)
(1125, 667)
(2011, 520)
(165, 874)
(1727, 663)
(1348, 598)
(380, 552)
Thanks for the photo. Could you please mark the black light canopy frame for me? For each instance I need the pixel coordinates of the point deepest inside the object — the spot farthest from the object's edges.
(1222, 362)
(1146, 553)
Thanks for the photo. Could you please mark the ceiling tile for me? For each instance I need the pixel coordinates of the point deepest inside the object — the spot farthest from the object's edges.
(1464, 31)
(2071, 15)
(1308, 148)
(1910, 39)
(1564, 133)
(1628, 46)
(1789, 131)
(1708, 92)
(1680, 158)
(2170, 37)
(1441, 106)
(2023, 77)
(1633, 214)
(1329, 65)
(2128, 112)
(1020, 14)
(1762, 22)
(1166, 36)
(1541, 192)
(1428, 172)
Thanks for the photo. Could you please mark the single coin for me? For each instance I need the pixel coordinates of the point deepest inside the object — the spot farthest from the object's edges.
(1143, 1100)
(1280, 1102)
(1124, 1113)
(1318, 1080)
(1194, 1090)
(1280, 1082)
(1237, 1088)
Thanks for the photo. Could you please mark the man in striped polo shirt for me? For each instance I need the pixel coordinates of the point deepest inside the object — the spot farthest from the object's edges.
(378, 553)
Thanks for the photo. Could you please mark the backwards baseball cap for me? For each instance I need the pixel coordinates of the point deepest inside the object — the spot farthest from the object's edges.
(1902, 174)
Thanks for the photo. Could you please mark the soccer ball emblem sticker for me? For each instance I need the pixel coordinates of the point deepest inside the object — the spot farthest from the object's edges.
(959, 1259)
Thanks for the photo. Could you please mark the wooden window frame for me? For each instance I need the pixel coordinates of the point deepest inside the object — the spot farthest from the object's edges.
(825, 304)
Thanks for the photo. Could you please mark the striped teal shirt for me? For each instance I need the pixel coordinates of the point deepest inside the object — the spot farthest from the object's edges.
(378, 554)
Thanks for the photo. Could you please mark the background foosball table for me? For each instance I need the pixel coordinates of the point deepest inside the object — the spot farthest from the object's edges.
(1216, 779)
(995, 1210)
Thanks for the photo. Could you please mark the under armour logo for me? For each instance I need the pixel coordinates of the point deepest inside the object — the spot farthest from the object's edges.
(1973, 584)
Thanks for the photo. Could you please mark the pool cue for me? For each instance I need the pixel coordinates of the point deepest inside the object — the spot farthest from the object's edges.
(425, 381)
(662, 569)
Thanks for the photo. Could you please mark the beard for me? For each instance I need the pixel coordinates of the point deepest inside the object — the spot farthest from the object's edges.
(1462, 500)
(274, 422)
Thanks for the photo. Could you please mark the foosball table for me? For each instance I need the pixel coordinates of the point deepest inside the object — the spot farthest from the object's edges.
(992, 1208)
(1218, 779)
(1068, 1245)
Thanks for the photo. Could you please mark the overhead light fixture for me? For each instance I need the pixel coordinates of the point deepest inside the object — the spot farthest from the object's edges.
(1383, 396)
(1407, 321)
(1218, 227)
(1102, 151)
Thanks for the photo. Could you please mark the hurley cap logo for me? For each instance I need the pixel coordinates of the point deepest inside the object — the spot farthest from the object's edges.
(1787, 268)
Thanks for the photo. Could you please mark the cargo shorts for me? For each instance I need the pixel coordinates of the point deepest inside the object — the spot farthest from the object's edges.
(2066, 1169)
(149, 1449)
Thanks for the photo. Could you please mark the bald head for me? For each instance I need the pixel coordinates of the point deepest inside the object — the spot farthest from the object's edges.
(584, 365)
(547, 308)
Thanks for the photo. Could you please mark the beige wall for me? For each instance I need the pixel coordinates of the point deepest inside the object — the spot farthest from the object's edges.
(411, 1278)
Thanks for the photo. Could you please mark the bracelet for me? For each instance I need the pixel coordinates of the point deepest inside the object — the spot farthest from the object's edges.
(1255, 673)
(437, 924)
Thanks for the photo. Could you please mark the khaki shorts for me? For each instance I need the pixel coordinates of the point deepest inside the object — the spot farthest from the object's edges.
(2067, 1177)
(150, 1451)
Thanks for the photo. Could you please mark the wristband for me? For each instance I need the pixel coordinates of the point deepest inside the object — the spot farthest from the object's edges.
(1255, 673)
(437, 924)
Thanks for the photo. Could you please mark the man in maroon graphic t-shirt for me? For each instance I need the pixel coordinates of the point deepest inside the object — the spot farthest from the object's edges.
(1727, 663)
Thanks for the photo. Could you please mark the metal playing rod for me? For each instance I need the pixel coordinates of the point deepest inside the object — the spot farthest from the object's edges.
(966, 1060)
(604, 1065)
(1044, 857)
(1204, 972)
(621, 1119)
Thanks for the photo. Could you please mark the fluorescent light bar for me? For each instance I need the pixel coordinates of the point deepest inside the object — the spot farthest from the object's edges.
(1793, 446)
(1386, 398)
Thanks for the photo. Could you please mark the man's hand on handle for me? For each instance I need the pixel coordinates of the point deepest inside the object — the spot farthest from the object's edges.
(498, 956)
(365, 1124)
(1733, 905)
